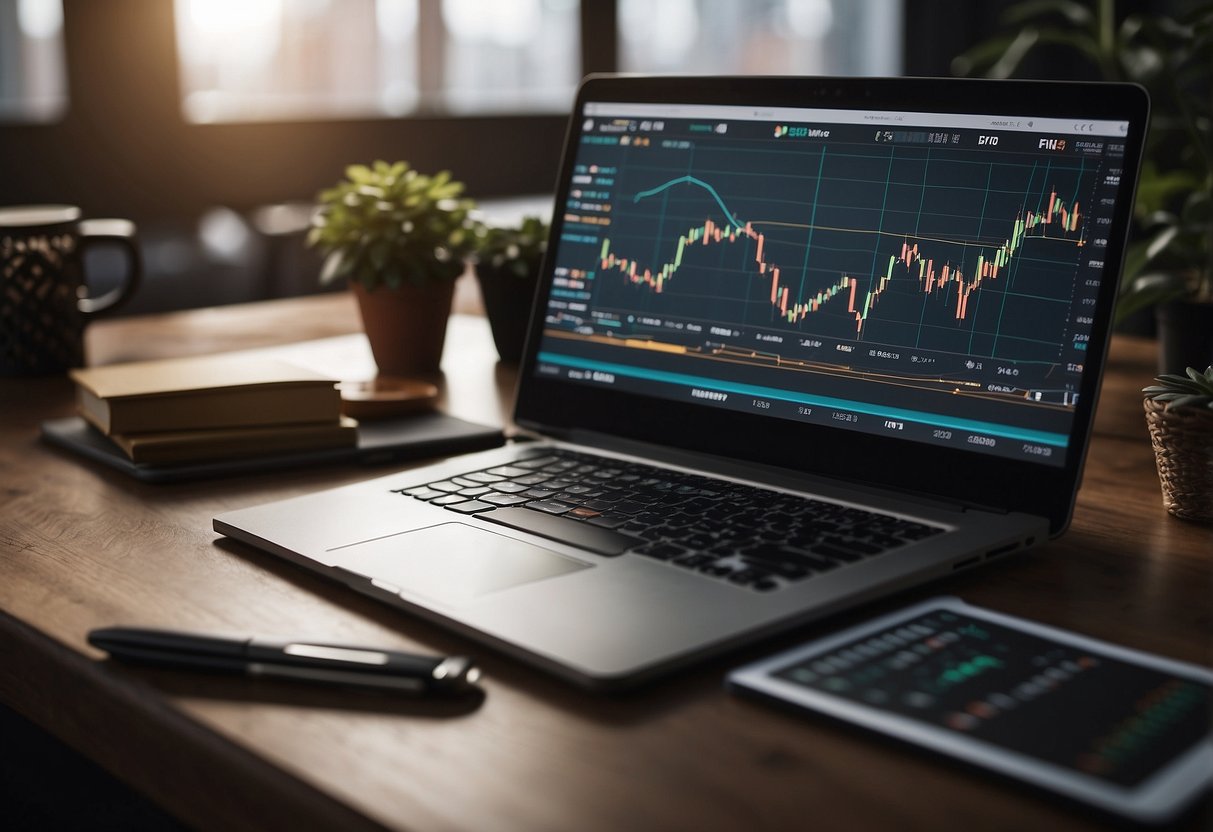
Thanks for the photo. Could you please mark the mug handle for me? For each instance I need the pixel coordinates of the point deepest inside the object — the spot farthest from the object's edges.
(121, 232)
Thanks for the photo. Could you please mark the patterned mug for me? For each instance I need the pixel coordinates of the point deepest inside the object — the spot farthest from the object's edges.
(44, 302)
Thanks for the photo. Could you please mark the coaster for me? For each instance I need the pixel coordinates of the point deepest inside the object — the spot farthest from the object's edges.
(385, 396)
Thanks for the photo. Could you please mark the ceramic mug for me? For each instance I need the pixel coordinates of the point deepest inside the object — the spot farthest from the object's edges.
(44, 305)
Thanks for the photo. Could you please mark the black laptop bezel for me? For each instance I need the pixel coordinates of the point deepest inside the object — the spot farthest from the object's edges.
(558, 408)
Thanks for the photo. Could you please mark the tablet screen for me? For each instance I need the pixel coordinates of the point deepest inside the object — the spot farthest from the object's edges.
(1070, 705)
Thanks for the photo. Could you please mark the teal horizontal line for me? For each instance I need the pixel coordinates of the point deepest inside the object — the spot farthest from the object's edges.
(939, 419)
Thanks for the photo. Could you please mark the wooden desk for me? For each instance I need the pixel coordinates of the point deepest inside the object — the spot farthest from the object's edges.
(82, 547)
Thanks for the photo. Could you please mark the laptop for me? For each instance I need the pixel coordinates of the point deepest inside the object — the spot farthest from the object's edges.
(799, 343)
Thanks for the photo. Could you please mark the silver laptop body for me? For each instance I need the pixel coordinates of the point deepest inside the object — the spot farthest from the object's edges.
(888, 295)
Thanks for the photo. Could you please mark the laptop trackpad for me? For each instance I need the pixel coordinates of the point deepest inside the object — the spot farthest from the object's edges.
(453, 563)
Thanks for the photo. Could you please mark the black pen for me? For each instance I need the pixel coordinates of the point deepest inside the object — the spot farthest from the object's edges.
(300, 660)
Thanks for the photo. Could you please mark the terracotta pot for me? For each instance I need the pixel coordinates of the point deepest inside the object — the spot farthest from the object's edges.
(406, 326)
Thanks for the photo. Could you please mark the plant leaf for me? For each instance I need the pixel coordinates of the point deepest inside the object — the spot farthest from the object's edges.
(1005, 66)
(332, 267)
(358, 173)
(1076, 13)
(1135, 261)
(1149, 290)
(1186, 401)
(981, 56)
(378, 253)
(1161, 241)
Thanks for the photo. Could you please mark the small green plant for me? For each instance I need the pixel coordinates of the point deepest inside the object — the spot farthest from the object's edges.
(516, 250)
(1193, 390)
(385, 225)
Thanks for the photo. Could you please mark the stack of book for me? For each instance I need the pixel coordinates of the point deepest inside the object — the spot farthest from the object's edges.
(210, 408)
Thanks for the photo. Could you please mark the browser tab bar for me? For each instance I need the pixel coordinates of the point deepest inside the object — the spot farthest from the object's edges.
(1023, 123)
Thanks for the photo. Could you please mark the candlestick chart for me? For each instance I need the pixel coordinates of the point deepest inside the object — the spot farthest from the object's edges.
(962, 251)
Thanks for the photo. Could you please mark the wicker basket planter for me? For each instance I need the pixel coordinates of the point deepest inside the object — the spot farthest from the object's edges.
(1183, 448)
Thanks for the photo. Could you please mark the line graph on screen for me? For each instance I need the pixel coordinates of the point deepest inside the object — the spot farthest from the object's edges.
(961, 252)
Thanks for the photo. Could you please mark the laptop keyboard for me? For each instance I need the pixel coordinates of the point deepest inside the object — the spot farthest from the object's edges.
(743, 535)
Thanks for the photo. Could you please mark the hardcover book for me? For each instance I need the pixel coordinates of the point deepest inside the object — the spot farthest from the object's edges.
(203, 393)
(180, 446)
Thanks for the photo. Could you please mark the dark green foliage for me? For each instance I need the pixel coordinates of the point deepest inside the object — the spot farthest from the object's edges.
(517, 250)
(1193, 390)
(385, 225)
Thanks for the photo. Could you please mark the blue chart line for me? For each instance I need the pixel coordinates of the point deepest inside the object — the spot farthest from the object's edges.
(690, 180)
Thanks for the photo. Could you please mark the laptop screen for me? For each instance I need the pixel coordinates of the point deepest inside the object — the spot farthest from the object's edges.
(921, 275)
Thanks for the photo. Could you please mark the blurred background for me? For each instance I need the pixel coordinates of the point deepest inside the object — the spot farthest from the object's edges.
(213, 123)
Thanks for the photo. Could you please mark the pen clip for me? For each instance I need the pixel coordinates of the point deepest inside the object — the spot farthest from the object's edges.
(432, 673)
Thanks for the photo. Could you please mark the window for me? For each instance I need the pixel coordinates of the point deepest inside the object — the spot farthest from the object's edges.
(761, 37)
(510, 55)
(273, 60)
(257, 60)
(33, 77)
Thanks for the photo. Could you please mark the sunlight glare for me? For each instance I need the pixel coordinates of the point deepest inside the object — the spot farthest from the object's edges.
(219, 18)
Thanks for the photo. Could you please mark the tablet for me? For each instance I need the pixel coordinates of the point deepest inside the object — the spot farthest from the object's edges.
(1125, 731)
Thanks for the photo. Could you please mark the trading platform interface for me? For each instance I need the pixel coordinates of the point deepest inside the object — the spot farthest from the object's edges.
(921, 275)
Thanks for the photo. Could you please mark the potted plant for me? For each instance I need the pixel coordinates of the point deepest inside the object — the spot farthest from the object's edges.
(401, 238)
(1169, 264)
(507, 268)
(1179, 412)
